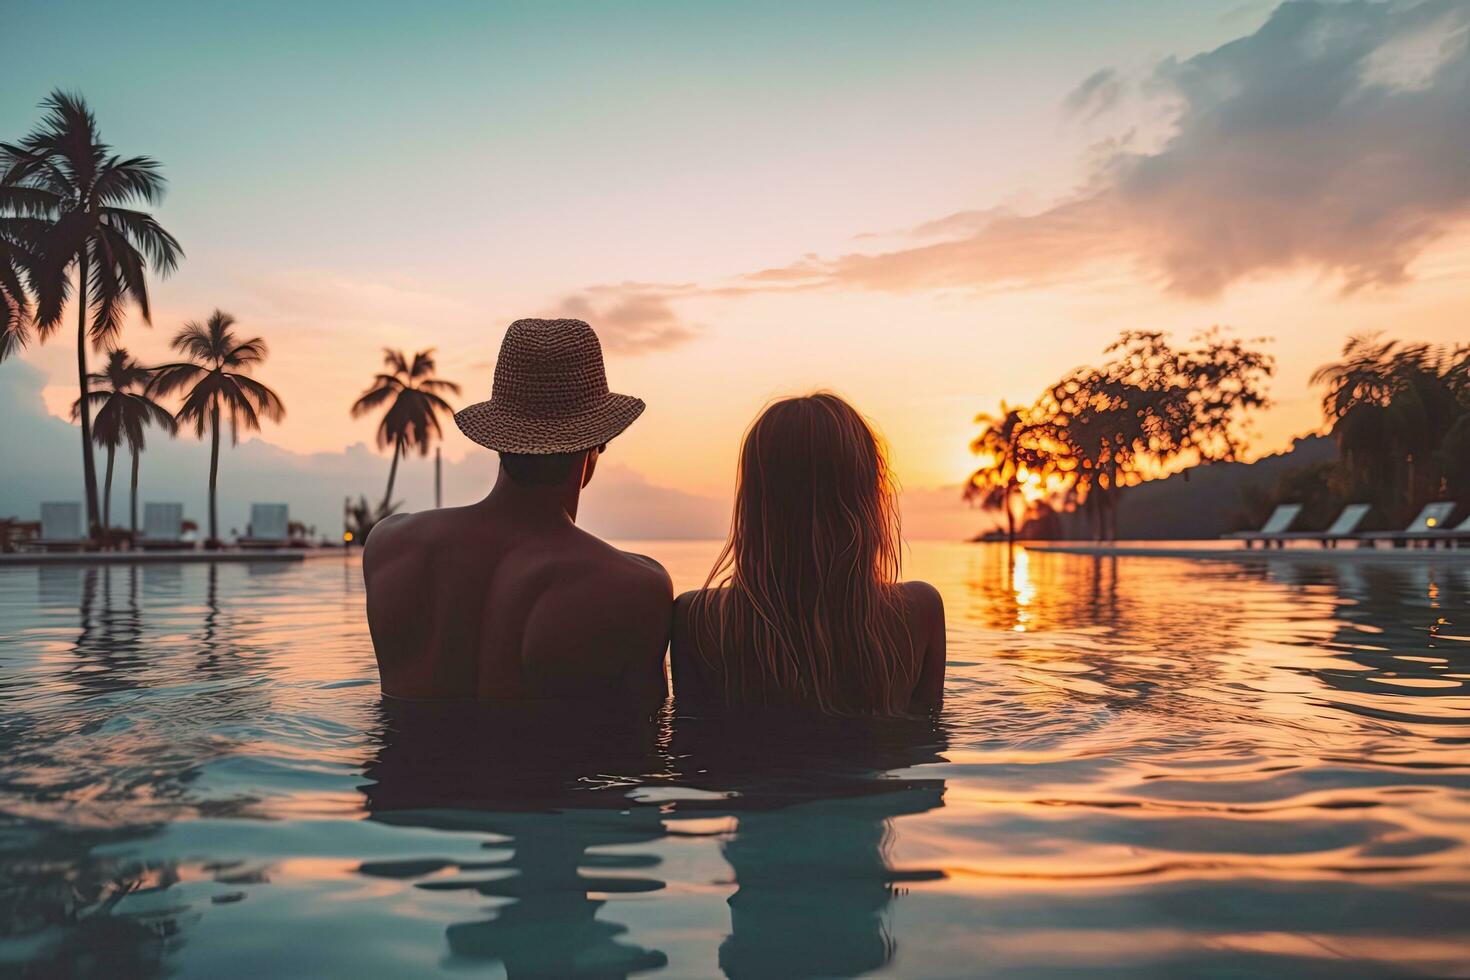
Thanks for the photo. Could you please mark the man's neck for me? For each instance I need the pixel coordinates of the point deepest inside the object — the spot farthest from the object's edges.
(535, 504)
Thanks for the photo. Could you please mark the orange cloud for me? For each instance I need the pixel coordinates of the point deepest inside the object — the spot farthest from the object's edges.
(630, 317)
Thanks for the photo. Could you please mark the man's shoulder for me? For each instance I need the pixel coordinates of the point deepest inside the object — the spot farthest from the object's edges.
(393, 537)
(592, 588)
(629, 570)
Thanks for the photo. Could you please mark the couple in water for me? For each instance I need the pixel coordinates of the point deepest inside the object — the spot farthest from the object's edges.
(508, 600)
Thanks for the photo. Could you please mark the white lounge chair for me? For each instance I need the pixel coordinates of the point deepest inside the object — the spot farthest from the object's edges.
(61, 527)
(1428, 526)
(163, 526)
(269, 526)
(1458, 535)
(1281, 518)
(1344, 528)
(1453, 537)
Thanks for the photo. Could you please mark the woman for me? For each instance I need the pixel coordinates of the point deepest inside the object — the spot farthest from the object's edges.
(803, 608)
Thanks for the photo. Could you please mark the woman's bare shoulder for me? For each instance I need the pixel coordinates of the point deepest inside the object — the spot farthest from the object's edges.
(922, 595)
(686, 600)
(925, 607)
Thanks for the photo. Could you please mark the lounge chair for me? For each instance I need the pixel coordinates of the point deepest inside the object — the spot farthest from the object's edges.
(61, 527)
(1272, 530)
(269, 526)
(1459, 535)
(1343, 529)
(1428, 526)
(163, 526)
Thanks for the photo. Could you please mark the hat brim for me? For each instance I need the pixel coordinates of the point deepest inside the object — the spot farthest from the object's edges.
(493, 427)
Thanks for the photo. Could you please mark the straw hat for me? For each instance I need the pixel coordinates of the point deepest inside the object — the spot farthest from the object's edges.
(550, 393)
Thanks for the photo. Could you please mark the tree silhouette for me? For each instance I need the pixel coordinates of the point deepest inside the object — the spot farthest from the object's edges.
(1149, 407)
(215, 381)
(1004, 457)
(412, 395)
(78, 214)
(1400, 414)
(122, 413)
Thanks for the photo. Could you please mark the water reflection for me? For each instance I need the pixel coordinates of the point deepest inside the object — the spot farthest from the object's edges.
(813, 804)
(809, 809)
(546, 788)
(61, 904)
(109, 648)
(1175, 767)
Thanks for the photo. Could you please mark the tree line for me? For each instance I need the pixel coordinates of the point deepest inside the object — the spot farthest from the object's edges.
(1398, 412)
(1148, 408)
(75, 233)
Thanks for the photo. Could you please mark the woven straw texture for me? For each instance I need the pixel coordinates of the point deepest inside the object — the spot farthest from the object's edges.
(550, 393)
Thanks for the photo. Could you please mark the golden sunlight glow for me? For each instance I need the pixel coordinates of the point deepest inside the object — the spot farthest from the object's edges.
(1032, 487)
(1022, 588)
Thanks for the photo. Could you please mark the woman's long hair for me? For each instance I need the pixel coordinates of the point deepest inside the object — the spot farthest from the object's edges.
(802, 608)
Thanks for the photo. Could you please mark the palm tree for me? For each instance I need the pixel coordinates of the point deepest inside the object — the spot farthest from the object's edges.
(1003, 458)
(214, 380)
(1394, 410)
(80, 197)
(122, 415)
(412, 420)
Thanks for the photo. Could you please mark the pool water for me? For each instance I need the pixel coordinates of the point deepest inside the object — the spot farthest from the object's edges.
(1147, 766)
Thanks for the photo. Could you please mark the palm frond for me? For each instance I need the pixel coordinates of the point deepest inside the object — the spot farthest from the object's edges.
(146, 235)
(241, 410)
(437, 404)
(260, 398)
(198, 403)
(130, 179)
(438, 384)
(171, 378)
(95, 399)
(194, 341)
(246, 353)
(423, 364)
(371, 399)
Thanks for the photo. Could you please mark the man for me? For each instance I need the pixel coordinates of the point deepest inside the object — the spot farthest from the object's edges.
(508, 598)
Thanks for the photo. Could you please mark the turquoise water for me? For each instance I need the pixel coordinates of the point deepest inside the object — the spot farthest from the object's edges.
(1153, 766)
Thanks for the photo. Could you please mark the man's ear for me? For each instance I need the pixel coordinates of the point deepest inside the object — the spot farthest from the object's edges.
(589, 463)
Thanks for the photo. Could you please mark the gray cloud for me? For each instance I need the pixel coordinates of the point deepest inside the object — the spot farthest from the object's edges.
(630, 317)
(1335, 138)
(1098, 93)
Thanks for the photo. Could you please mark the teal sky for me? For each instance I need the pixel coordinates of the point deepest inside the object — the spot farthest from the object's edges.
(434, 139)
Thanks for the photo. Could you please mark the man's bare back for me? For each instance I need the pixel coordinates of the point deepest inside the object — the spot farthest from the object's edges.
(491, 602)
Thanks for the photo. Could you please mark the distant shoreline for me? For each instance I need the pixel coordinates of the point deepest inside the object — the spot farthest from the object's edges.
(1398, 555)
(164, 557)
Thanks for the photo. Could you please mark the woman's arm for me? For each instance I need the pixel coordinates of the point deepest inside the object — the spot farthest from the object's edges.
(928, 608)
(683, 669)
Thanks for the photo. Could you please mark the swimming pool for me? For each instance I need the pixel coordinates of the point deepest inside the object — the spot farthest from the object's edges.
(1154, 766)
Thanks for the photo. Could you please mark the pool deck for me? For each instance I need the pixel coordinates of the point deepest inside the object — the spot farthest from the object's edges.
(149, 557)
(1259, 554)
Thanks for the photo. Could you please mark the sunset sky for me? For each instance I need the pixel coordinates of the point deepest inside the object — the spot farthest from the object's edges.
(926, 207)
